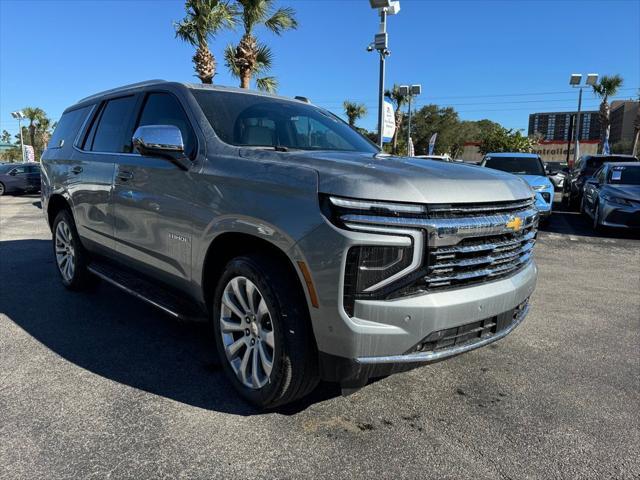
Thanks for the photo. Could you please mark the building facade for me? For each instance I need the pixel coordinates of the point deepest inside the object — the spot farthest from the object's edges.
(623, 114)
(554, 126)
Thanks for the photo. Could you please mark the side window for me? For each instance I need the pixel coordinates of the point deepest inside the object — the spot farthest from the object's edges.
(19, 170)
(33, 169)
(110, 132)
(164, 109)
(67, 127)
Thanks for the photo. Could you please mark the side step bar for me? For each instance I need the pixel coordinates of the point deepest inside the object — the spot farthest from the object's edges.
(155, 295)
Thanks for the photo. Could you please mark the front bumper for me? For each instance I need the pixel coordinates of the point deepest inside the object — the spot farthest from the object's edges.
(355, 373)
(545, 208)
(619, 216)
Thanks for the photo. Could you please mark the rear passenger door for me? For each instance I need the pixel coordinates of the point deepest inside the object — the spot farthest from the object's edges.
(152, 199)
(105, 143)
(33, 177)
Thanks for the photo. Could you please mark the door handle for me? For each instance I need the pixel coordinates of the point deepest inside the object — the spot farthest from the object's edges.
(76, 170)
(125, 175)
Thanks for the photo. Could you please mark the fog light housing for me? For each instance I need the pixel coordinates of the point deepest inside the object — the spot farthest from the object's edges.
(370, 267)
(546, 196)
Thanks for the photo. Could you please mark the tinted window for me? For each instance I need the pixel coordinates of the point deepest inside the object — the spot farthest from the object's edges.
(111, 133)
(19, 170)
(67, 127)
(256, 120)
(516, 165)
(625, 175)
(33, 169)
(164, 109)
(593, 163)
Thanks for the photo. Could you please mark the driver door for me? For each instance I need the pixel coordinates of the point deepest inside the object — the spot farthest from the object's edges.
(152, 204)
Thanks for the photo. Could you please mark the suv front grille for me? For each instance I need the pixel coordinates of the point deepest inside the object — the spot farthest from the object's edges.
(479, 259)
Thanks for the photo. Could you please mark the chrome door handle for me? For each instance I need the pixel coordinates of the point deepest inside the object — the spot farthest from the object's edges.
(125, 175)
(76, 170)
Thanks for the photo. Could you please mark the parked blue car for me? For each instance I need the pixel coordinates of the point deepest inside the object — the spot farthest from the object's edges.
(529, 166)
(19, 177)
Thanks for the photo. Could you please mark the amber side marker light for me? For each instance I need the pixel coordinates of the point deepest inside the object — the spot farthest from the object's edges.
(313, 296)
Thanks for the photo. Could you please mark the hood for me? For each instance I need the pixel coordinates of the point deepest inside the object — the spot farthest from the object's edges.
(536, 180)
(630, 192)
(406, 179)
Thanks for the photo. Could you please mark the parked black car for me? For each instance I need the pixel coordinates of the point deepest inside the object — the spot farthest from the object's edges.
(583, 169)
(612, 196)
(19, 177)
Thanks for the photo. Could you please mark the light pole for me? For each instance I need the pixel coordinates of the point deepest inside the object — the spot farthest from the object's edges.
(18, 115)
(381, 43)
(410, 92)
(574, 81)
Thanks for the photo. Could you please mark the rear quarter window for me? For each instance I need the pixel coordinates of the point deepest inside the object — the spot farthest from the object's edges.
(68, 127)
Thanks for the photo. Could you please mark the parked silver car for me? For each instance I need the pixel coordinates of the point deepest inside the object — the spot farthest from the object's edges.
(313, 255)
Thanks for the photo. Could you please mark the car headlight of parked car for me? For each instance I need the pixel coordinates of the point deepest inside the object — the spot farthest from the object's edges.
(539, 188)
(618, 201)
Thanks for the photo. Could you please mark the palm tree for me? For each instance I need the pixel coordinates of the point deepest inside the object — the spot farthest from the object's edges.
(250, 57)
(35, 115)
(607, 87)
(204, 19)
(354, 111)
(399, 100)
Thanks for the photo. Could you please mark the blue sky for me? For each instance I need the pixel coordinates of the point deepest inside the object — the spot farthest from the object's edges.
(489, 59)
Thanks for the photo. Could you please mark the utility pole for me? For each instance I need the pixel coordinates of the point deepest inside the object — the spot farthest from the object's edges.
(574, 81)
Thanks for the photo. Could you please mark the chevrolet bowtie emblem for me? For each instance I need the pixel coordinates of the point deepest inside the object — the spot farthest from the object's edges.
(514, 224)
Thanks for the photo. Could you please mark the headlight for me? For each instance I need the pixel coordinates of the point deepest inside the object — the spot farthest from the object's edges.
(372, 267)
(539, 188)
(618, 200)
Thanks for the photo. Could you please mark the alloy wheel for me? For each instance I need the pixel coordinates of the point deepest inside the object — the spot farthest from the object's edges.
(65, 251)
(248, 338)
(1, 189)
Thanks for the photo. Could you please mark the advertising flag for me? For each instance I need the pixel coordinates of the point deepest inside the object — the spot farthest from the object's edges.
(388, 122)
(432, 143)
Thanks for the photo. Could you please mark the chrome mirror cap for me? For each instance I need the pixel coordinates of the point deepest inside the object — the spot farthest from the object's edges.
(158, 140)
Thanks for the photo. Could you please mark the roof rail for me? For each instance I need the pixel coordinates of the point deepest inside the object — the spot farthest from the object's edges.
(123, 87)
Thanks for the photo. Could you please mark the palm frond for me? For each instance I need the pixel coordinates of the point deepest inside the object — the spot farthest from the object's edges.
(264, 59)
(267, 84)
(281, 20)
(185, 30)
(230, 61)
(254, 12)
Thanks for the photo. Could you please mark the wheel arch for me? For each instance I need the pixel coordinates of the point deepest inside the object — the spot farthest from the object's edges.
(229, 245)
(57, 202)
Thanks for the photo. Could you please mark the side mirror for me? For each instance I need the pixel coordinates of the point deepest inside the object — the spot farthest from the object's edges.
(13, 173)
(161, 141)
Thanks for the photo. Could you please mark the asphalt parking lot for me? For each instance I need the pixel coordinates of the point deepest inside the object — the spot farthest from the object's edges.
(97, 385)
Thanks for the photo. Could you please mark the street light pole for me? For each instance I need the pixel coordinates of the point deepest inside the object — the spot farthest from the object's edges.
(18, 115)
(574, 81)
(577, 129)
(383, 54)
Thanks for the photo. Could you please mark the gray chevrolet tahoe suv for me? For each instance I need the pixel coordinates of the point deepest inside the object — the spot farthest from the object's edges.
(312, 254)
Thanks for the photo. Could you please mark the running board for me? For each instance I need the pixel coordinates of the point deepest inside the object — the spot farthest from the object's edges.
(155, 295)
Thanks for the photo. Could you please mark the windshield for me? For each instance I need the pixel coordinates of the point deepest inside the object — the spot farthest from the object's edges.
(625, 175)
(254, 120)
(516, 165)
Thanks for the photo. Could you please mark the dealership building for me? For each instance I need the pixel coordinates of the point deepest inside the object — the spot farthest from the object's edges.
(558, 126)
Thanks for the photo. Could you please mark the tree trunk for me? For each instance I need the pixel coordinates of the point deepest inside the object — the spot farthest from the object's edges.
(204, 64)
(32, 135)
(604, 123)
(245, 78)
(397, 131)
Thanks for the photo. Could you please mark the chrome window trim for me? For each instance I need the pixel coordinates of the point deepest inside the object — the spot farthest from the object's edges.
(418, 251)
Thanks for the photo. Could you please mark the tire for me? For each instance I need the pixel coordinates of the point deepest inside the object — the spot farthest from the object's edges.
(265, 344)
(70, 256)
(3, 190)
(583, 207)
(596, 219)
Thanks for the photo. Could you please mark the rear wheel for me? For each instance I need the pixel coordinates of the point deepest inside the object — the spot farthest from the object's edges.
(263, 333)
(71, 258)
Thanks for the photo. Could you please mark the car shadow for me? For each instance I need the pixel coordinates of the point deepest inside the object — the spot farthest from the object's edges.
(112, 334)
(571, 222)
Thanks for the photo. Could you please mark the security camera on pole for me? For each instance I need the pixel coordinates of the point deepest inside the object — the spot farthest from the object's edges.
(381, 43)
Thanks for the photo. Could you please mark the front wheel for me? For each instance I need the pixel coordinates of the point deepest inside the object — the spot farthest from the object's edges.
(263, 333)
(597, 222)
(2, 189)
